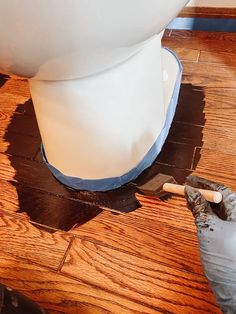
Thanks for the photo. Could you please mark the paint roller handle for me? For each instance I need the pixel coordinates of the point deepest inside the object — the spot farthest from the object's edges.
(210, 196)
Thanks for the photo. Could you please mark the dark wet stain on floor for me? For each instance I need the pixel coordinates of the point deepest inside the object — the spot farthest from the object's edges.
(47, 202)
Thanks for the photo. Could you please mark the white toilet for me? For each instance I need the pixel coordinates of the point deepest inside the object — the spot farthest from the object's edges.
(104, 91)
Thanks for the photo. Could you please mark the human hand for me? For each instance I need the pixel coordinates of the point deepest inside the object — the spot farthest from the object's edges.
(216, 230)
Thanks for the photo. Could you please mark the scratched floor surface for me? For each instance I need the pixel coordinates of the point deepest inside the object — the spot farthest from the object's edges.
(118, 252)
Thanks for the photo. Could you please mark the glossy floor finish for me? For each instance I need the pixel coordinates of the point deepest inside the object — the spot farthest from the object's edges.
(118, 252)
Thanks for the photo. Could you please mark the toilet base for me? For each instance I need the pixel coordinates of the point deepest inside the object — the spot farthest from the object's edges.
(170, 84)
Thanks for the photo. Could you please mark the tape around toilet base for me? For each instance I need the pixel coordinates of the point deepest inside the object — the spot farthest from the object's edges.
(115, 182)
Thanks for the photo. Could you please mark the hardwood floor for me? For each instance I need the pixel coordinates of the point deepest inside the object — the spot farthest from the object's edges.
(118, 252)
(208, 12)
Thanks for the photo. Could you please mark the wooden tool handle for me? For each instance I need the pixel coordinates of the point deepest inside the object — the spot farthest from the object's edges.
(211, 196)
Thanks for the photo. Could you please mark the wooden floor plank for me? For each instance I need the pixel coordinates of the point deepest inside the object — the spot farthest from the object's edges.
(187, 54)
(196, 35)
(176, 219)
(8, 197)
(170, 212)
(13, 143)
(220, 140)
(150, 234)
(45, 209)
(10, 101)
(222, 58)
(208, 110)
(173, 152)
(20, 238)
(16, 87)
(224, 72)
(136, 278)
(217, 166)
(29, 173)
(33, 174)
(201, 44)
(216, 137)
(208, 12)
(19, 123)
(60, 294)
(214, 85)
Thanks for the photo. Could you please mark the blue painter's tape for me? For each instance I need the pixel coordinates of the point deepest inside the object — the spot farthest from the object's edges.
(203, 24)
(115, 182)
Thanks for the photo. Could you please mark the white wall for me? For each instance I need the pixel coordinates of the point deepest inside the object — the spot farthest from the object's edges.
(213, 3)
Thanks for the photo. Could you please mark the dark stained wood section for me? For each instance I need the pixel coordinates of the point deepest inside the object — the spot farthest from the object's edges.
(118, 252)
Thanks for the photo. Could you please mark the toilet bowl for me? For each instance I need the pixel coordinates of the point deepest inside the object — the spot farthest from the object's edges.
(103, 88)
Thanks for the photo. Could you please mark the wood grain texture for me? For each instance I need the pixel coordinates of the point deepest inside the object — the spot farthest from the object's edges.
(16, 87)
(203, 69)
(33, 174)
(208, 12)
(213, 45)
(220, 112)
(173, 152)
(138, 279)
(222, 58)
(29, 173)
(201, 40)
(149, 233)
(22, 124)
(45, 209)
(60, 294)
(21, 239)
(220, 140)
(187, 54)
(212, 85)
(17, 144)
(9, 102)
(8, 197)
(217, 166)
(216, 137)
